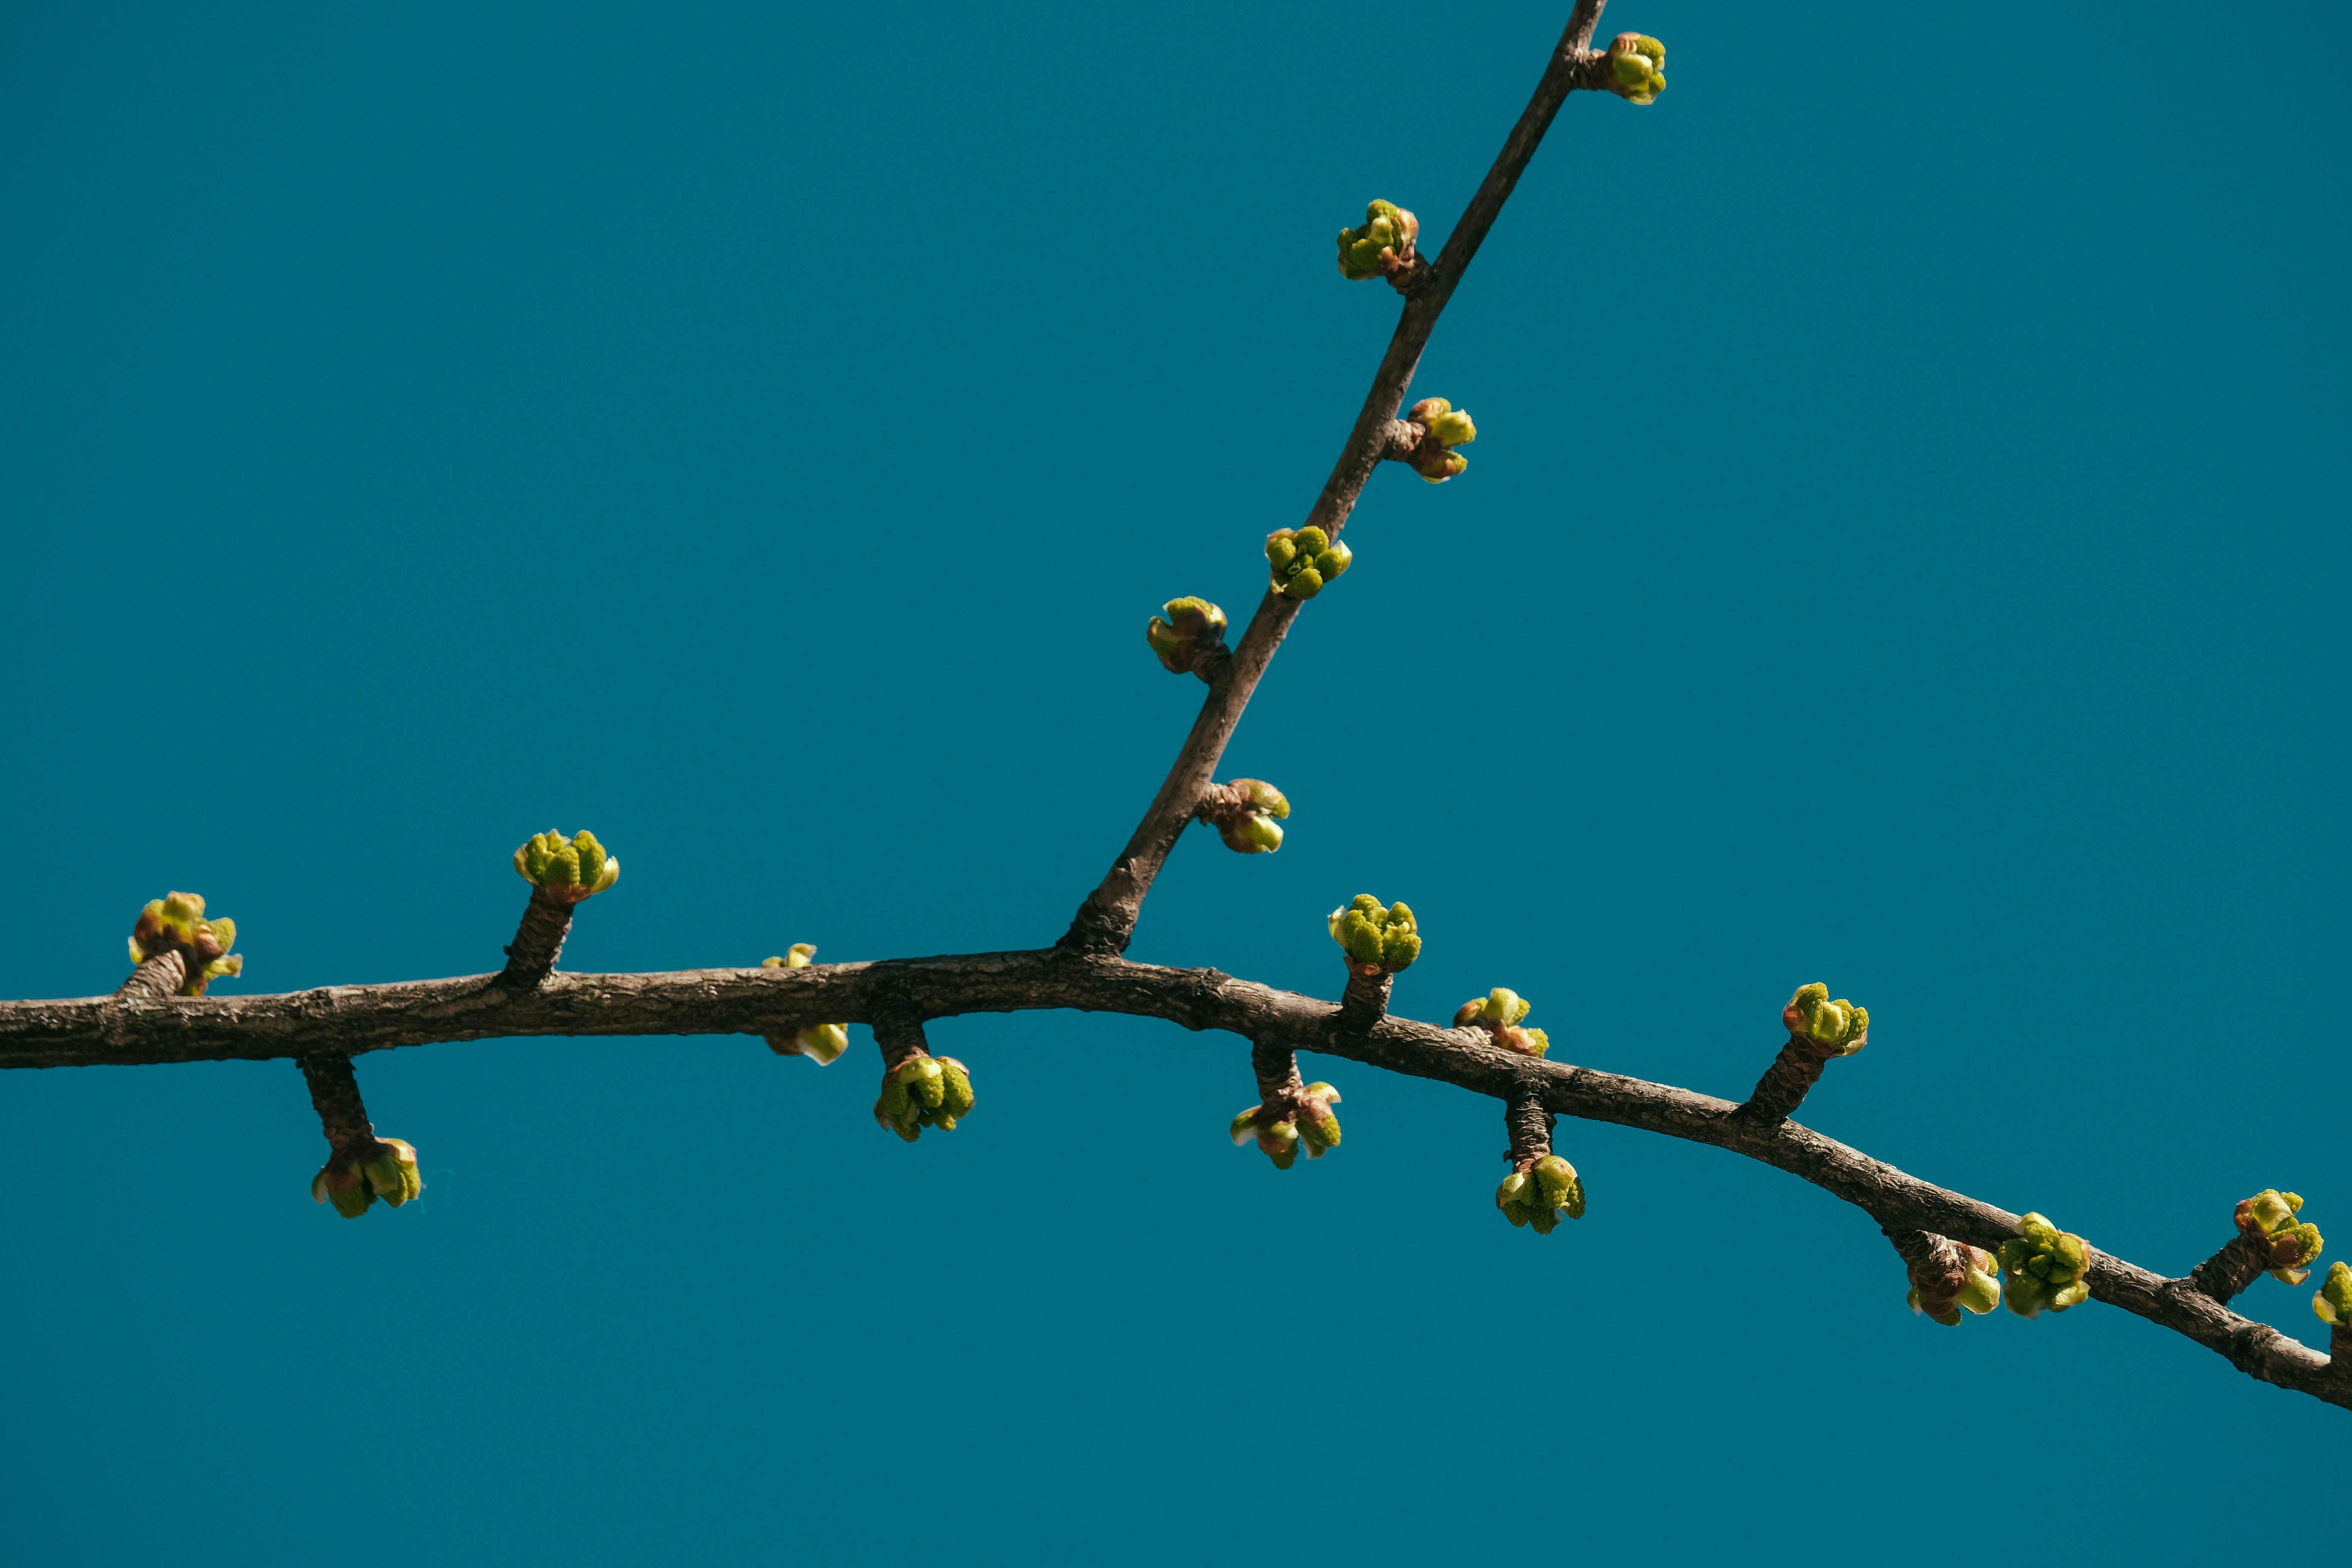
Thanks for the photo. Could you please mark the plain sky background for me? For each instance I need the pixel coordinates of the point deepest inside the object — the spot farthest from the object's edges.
(1905, 548)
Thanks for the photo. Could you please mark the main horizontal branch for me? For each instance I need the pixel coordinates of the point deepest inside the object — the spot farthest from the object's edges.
(134, 1030)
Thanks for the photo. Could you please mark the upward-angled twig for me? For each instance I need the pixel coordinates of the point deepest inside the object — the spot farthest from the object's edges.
(1106, 921)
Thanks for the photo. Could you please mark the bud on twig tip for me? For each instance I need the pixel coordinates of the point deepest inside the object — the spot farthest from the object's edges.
(176, 923)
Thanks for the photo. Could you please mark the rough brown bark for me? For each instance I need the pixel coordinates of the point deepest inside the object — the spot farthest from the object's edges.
(1365, 1000)
(2229, 1270)
(354, 1019)
(157, 979)
(1529, 1126)
(1785, 1083)
(335, 1095)
(539, 939)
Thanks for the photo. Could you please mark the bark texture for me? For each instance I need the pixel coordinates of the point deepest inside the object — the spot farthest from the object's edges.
(350, 1019)
(157, 979)
(335, 1095)
(539, 939)
(1365, 1002)
(2229, 1270)
(1786, 1082)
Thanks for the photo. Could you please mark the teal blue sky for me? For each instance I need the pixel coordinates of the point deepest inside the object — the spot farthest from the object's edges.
(1905, 548)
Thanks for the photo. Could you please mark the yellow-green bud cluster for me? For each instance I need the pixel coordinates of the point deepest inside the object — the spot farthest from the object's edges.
(2267, 1221)
(2333, 1301)
(1280, 1131)
(1383, 247)
(1375, 939)
(566, 869)
(2047, 1269)
(1964, 1278)
(1538, 1195)
(1435, 459)
(382, 1168)
(1193, 627)
(177, 925)
(1499, 1013)
(820, 1042)
(924, 1091)
(1636, 68)
(1244, 812)
(1304, 560)
(1836, 1029)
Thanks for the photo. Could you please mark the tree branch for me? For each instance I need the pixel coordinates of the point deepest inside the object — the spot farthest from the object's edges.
(1105, 922)
(901, 992)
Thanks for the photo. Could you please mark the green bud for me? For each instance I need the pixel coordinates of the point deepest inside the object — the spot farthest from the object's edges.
(1278, 1137)
(177, 925)
(1303, 559)
(1951, 1278)
(2268, 1221)
(1264, 797)
(1251, 833)
(360, 1174)
(1383, 247)
(1637, 68)
(955, 1087)
(1981, 1294)
(1539, 1193)
(1836, 1029)
(1192, 627)
(1316, 1123)
(568, 870)
(1376, 938)
(1435, 458)
(1451, 427)
(391, 1171)
(1498, 1012)
(339, 1183)
(2047, 1268)
(1562, 1188)
(2333, 1301)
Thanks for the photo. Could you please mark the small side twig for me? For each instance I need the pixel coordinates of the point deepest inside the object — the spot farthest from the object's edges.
(2229, 1270)
(539, 941)
(155, 979)
(1365, 1001)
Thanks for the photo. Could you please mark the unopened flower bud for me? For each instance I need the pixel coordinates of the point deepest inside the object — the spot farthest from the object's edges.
(1375, 939)
(1304, 560)
(567, 870)
(1948, 1278)
(1637, 68)
(924, 1091)
(2047, 1269)
(360, 1173)
(1383, 247)
(1243, 812)
(1828, 1028)
(1498, 1012)
(2267, 1221)
(1444, 428)
(1299, 1117)
(177, 925)
(2333, 1301)
(1318, 1127)
(1539, 1191)
(1192, 630)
